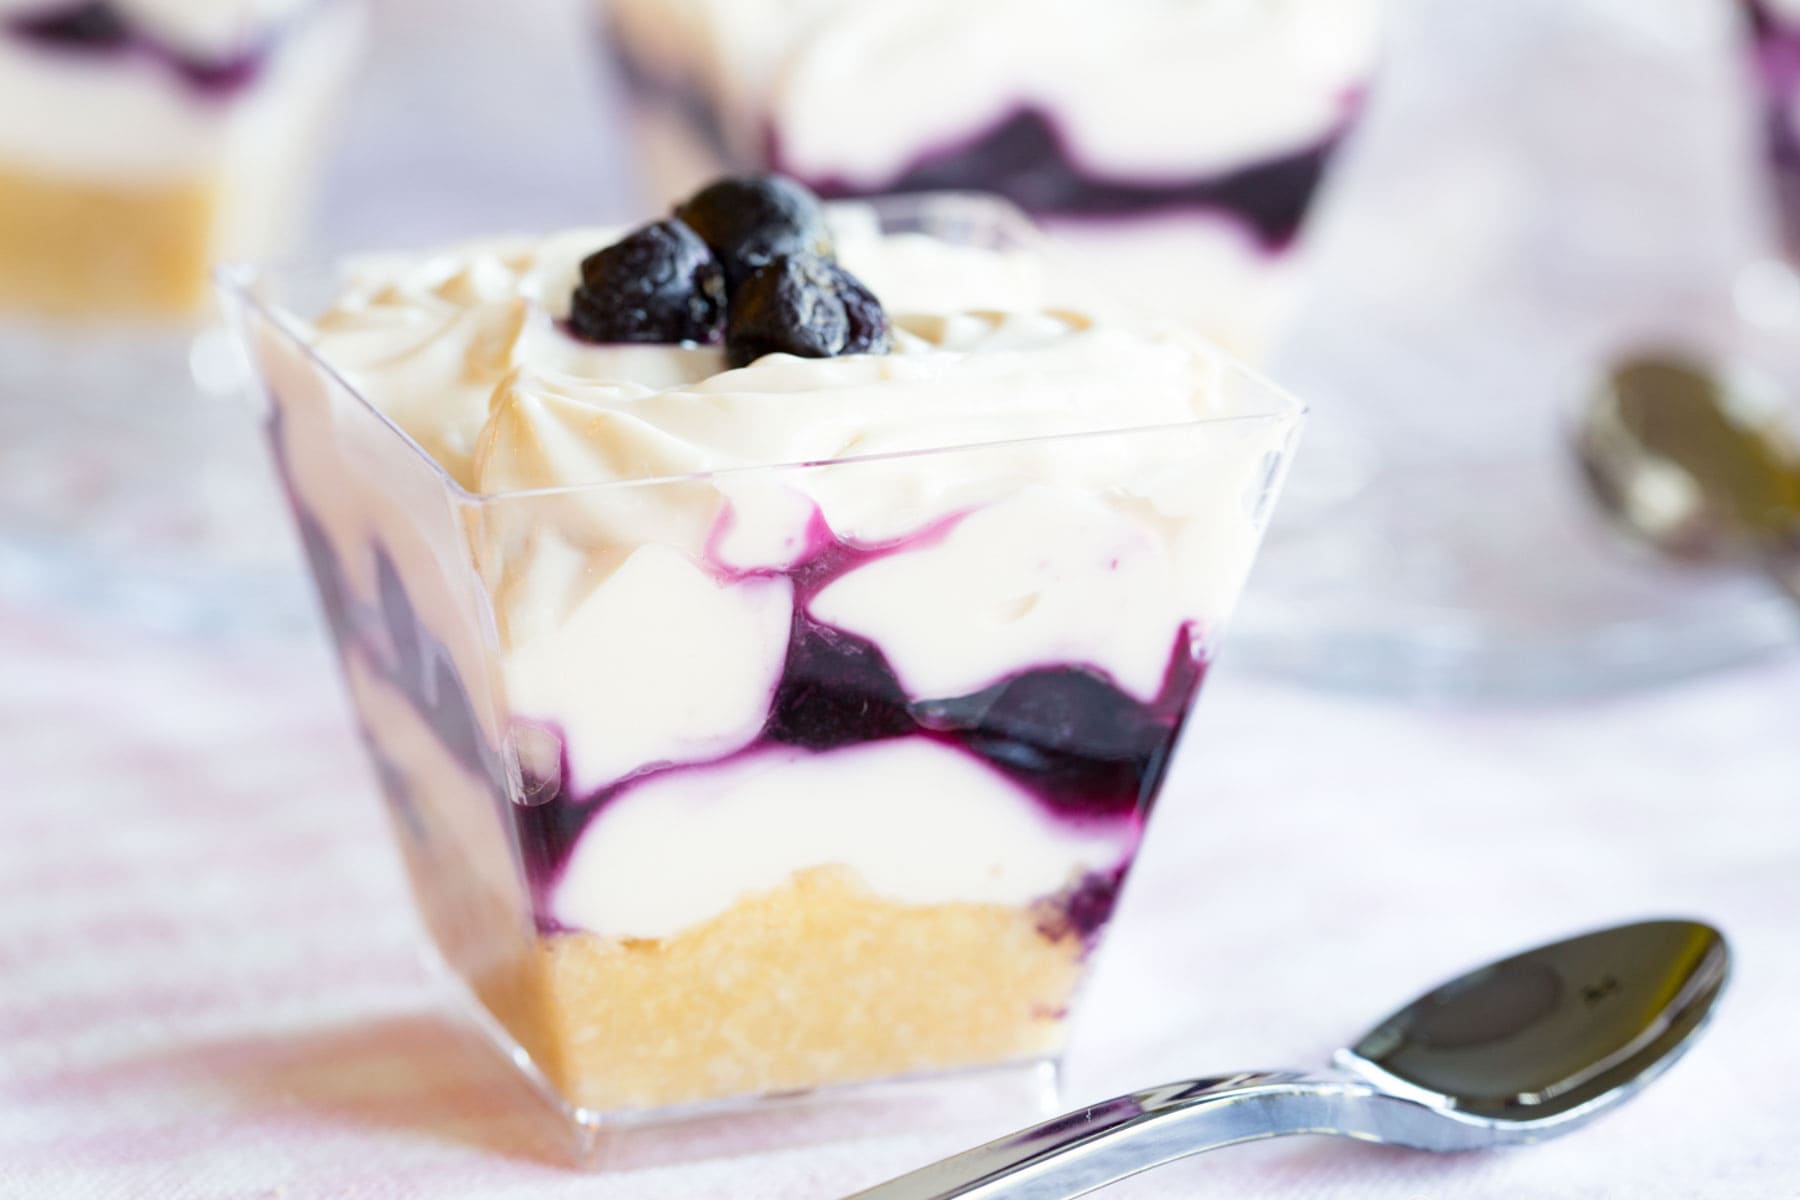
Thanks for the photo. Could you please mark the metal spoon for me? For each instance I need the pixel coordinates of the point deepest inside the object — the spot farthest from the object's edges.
(1514, 1052)
(1694, 465)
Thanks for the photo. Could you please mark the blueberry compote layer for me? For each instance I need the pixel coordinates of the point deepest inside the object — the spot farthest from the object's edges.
(1087, 751)
(1025, 158)
(96, 27)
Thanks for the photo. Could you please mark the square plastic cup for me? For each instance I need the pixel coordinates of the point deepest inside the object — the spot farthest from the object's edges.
(785, 779)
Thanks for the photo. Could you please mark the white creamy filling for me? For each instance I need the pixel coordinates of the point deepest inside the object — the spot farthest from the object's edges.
(131, 119)
(1787, 11)
(857, 89)
(660, 663)
(918, 823)
(995, 596)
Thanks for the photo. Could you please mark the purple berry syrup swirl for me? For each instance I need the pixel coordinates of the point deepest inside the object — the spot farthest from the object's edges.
(96, 28)
(1085, 750)
(1778, 68)
(1025, 158)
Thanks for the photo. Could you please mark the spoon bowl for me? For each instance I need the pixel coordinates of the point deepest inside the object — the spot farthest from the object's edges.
(1553, 1036)
(1694, 462)
(1513, 1052)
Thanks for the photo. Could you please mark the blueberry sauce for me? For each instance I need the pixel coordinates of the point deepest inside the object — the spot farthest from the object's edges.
(96, 27)
(1084, 909)
(1025, 158)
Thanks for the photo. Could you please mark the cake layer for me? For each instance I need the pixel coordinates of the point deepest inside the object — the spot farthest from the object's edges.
(815, 982)
(74, 248)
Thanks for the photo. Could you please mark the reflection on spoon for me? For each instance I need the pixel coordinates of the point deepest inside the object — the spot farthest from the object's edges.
(1513, 1052)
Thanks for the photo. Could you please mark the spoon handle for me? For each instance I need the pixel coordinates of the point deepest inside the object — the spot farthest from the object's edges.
(1089, 1148)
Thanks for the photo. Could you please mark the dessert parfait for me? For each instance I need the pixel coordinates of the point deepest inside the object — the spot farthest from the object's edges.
(1776, 29)
(143, 140)
(771, 625)
(1175, 149)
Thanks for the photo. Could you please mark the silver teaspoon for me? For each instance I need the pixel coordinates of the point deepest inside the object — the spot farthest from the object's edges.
(1695, 465)
(1512, 1053)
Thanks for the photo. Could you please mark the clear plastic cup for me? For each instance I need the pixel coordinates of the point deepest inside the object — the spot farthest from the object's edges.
(768, 805)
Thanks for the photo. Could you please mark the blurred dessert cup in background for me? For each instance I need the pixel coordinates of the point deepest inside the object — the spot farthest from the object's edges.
(1175, 151)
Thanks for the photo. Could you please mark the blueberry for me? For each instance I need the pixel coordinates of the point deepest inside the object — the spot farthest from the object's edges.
(752, 221)
(659, 284)
(868, 320)
(803, 305)
(95, 26)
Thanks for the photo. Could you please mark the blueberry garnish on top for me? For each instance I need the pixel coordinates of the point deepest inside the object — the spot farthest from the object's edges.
(751, 221)
(750, 259)
(659, 284)
(804, 305)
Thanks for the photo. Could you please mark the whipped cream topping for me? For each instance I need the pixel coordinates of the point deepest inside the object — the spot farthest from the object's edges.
(917, 822)
(131, 119)
(466, 352)
(855, 90)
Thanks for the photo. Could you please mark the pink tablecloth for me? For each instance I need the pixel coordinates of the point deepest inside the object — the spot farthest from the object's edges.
(208, 989)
